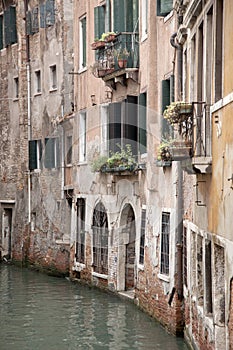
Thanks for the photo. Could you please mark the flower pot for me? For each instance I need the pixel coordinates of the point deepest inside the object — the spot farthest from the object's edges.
(122, 63)
(110, 38)
(98, 45)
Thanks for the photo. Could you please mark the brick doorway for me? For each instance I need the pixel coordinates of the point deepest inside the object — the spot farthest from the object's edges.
(5, 243)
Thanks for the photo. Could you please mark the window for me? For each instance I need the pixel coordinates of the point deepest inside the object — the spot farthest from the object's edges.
(16, 87)
(35, 154)
(167, 98)
(219, 285)
(144, 18)
(10, 31)
(51, 157)
(127, 124)
(53, 77)
(164, 250)
(199, 262)
(164, 7)
(125, 15)
(142, 237)
(80, 234)
(83, 44)
(218, 50)
(100, 239)
(69, 149)
(82, 136)
(37, 82)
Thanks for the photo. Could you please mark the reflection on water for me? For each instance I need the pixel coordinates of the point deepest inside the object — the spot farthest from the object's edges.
(43, 312)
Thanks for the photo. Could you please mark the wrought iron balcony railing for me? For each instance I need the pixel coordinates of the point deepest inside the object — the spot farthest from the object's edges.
(118, 55)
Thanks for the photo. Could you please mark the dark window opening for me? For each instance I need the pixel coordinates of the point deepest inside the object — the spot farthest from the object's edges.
(142, 237)
(80, 235)
(100, 239)
(165, 235)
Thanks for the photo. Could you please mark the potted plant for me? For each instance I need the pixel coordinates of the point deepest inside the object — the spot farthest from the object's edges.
(178, 112)
(164, 152)
(121, 55)
(109, 36)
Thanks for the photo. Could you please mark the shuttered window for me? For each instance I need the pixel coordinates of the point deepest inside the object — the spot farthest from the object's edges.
(50, 13)
(35, 20)
(164, 7)
(1, 32)
(125, 14)
(142, 123)
(130, 123)
(10, 32)
(42, 16)
(99, 14)
(80, 234)
(35, 153)
(51, 158)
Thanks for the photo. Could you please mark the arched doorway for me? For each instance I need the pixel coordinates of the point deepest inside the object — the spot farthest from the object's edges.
(127, 237)
(100, 239)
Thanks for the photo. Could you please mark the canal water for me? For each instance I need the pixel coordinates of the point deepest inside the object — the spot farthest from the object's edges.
(40, 312)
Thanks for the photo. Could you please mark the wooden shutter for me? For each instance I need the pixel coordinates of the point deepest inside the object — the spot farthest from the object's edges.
(108, 26)
(42, 16)
(119, 15)
(13, 29)
(142, 123)
(99, 14)
(1, 32)
(7, 33)
(29, 23)
(49, 13)
(49, 159)
(130, 126)
(164, 7)
(32, 149)
(35, 20)
(114, 126)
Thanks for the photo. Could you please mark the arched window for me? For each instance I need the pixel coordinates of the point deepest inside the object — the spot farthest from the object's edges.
(100, 239)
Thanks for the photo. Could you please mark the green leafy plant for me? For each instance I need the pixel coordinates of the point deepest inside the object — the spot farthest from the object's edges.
(121, 53)
(164, 151)
(120, 161)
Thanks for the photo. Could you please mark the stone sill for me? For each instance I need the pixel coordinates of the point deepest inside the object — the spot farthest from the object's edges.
(164, 277)
(99, 275)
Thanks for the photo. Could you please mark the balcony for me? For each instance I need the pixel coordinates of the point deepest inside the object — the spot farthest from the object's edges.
(117, 59)
(191, 139)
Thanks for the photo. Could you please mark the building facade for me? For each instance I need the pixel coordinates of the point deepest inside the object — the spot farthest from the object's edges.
(116, 152)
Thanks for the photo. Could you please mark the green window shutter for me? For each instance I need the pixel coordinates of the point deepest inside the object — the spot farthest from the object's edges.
(84, 39)
(119, 15)
(164, 7)
(57, 145)
(35, 20)
(114, 131)
(99, 17)
(96, 19)
(49, 13)
(142, 123)
(166, 93)
(7, 21)
(172, 85)
(13, 28)
(1, 32)
(42, 16)
(131, 16)
(49, 159)
(32, 149)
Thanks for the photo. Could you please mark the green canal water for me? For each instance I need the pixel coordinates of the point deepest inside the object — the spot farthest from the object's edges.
(40, 312)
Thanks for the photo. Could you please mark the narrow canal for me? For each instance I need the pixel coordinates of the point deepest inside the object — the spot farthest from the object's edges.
(43, 312)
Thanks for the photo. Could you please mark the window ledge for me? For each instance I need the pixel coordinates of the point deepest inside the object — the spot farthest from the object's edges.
(82, 70)
(52, 90)
(78, 266)
(99, 275)
(144, 37)
(38, 94)
(140, 267)
(82, 163)
(15, 99)
(164, 277)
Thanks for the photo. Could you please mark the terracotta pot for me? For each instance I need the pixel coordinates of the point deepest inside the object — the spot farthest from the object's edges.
(122, 63)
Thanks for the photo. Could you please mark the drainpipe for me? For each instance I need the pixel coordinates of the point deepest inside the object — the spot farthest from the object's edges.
(180, 200)
(28, 105)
